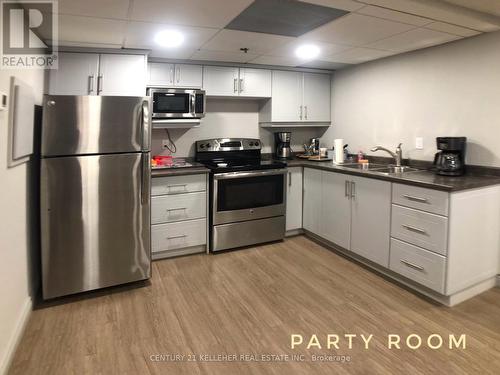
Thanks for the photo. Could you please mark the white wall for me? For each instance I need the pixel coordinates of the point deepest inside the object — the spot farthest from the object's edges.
(229, 118)
(15, 214)
(449, 90)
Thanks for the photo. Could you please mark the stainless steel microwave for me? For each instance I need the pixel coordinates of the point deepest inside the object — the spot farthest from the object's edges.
(177, 105)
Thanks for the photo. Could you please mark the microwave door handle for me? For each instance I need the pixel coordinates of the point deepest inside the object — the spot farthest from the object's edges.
(193, 105)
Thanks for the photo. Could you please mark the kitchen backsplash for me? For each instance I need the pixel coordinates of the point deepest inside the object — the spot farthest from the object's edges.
(235, 118)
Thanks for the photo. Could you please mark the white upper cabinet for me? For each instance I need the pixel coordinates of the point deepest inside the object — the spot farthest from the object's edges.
(298, 99)
(99, 74)
(123, 75)
(286, 100)
(255, 83)
(76, 75)
(175, 75)
(316, 97)
(237, 82)
(220, 80)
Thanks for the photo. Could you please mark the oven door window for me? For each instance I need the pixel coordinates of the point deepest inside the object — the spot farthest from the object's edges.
(170, 103)
(249, 192)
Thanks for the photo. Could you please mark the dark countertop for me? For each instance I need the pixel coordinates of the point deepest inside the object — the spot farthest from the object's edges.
(194, 168)
(424, 178)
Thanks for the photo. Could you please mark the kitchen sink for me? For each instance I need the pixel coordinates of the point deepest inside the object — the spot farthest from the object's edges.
(392, 169)
(365, 167)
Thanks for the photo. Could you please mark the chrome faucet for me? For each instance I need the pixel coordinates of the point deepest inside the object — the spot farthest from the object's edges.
(398, 155)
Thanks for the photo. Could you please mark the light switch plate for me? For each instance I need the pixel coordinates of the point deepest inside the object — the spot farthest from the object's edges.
(419, 143)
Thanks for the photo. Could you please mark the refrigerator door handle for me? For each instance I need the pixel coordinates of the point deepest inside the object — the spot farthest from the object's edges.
(145, 178)
(145, 126)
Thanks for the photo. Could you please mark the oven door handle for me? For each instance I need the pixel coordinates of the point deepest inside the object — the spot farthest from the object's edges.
(231, 175)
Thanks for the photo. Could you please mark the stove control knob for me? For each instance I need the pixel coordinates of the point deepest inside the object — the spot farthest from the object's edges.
(202, 146)
(209, 145)
(256, 143)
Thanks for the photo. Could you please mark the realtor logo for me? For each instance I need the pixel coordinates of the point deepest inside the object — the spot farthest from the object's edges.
(29, 34)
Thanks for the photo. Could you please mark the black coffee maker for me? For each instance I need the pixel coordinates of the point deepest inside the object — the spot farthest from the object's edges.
(450, 161)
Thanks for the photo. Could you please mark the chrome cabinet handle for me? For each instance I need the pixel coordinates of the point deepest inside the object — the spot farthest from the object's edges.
(235, 85)
(241, 85)
(347, 189)
(300, 112)
(176, 209)
(178, 74)
(171, 76)
(412, 265)
(289, 178)
(99, 84)
(414, 229)
(353, 190)
(417, 199)
(178, 185)
(91, 84)
(174, 237)
(305, 112)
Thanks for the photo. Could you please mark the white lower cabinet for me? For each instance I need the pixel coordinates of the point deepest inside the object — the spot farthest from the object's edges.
(352, 212)
(294, 199)
(371, 219)
(178, 215)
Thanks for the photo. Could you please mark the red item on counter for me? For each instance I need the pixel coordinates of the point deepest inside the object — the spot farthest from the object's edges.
(159, 160)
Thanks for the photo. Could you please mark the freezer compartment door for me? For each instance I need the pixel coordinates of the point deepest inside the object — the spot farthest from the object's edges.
(80, 125)
(95, 215)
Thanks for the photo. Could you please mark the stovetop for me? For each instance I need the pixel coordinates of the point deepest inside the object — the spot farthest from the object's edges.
(238, 165)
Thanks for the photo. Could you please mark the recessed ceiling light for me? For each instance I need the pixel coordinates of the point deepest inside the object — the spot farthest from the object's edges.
(307, 52)
(169, 38)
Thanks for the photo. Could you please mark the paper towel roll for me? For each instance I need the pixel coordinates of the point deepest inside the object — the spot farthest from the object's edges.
(339, 150)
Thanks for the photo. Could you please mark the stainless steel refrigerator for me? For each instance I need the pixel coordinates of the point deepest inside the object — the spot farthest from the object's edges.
(95, 192)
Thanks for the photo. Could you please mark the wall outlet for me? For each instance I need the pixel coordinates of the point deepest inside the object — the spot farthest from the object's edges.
(419, 143)
(165, 143)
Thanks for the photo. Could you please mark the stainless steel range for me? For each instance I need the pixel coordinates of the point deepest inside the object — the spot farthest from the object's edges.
(247, 194)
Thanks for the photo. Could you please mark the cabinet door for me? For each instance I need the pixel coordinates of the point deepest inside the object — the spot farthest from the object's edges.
(312, 200)
(189, 76)
(294, 199)
(220, 80)
(371, 218)
(123, 75)
(161, 74)
(336, 208)
(255, 83)
(316, 97)
(286, 96)
(76, 75)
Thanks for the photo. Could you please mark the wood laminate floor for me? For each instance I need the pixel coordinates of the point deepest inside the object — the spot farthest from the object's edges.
(250, 302)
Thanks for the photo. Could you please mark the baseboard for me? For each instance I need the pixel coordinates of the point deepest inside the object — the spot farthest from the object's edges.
(15, 338)
(294, 232)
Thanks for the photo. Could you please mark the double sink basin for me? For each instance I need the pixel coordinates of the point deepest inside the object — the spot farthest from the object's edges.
(382, 168)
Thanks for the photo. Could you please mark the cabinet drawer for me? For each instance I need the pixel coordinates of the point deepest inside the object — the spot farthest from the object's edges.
(169, 208)
(419, 265)
(178, 184)
(420, 228)
(178, 235)
(429, 200)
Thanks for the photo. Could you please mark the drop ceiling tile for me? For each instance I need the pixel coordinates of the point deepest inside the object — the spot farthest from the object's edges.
(98, 8)
(257, 43)
(414, 39)
(393, 15)
(349, 5)
(91, 30)
(443, 11)
(485, 6)
(276, 60)
(452, 29)
(240, 57)
(328, 65)
(141, 35)
(289, 18)
(326, 49)
(357, 30)
(203, 13)
(358, 55)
